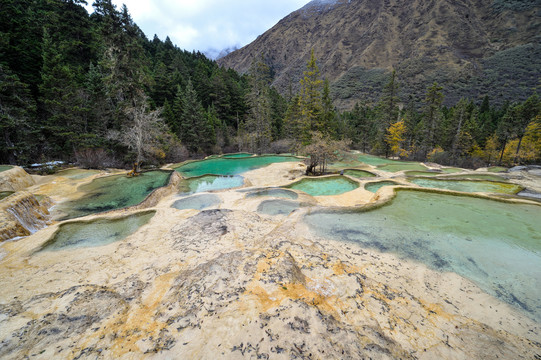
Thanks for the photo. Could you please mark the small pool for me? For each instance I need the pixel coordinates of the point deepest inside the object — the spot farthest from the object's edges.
(402, 166)
(493, 243)
(98, 232)
(234, 166)
(114, 192)
(210, 183)
(277, 207)
(5, 194)
(468, 186)
(359, 173)
(375, 186)
(237, 155)
(280, 193)
(5, 167)
(197, 202)
(333, 185)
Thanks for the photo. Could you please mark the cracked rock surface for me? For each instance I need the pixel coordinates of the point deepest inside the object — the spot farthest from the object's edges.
(229, 283)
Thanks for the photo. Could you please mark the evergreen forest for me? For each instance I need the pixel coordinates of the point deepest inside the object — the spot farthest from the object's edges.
(94, 90)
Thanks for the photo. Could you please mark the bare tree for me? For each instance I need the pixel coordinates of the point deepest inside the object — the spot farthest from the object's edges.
(141, 132)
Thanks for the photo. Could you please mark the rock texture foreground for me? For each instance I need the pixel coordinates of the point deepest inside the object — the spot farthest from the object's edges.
(229, 283)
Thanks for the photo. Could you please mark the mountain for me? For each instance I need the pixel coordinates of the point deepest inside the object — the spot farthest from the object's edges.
(471, 47)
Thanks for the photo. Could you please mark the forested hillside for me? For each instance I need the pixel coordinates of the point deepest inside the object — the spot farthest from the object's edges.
(92, 89)
(71, 84)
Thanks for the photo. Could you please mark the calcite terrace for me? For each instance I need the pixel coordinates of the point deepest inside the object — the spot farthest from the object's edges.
(231, 283)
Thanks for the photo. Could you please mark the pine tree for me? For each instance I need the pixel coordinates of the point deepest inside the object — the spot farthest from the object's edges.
(64, 113)
(328, 115)
(310, 102)
(258, 123)
(526, 114)
(196, 133)
(388, 109)
(17, 111)
(432, 116)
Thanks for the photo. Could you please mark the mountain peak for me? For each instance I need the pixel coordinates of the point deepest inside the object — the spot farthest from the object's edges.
(472, 47)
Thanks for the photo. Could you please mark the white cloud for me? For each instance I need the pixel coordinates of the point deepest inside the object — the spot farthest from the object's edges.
(208, 24)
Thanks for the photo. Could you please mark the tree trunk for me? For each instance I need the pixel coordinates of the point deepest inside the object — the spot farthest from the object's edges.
(518, 148)
(503, 150)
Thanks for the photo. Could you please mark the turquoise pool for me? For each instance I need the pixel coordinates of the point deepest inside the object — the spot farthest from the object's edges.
(237, 155)
(495, 244)
(359, 173)
(375, 186)
(234, 166)
(99, 232)
(468, 185)
(333, 185)
(210, 183)
(113, 192)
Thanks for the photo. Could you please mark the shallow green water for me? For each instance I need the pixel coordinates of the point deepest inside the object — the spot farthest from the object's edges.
(77, 174)
(224, 166)
(495, 244)
(281, 193)
(422, 173)
(375, 160)
(476, 176)
(277, 207)
(402, 166)
(468, 186)
(451, 170)
(114, 192)
(197, 202)
(333, 185)
(236, 155)
(5, 194)
(375, 186)
(359, 173)
(83, 234)
(5, 167)
(210, 183)
(497, 169)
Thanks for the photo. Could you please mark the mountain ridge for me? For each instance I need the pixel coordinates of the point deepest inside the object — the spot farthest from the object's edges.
(358, 42)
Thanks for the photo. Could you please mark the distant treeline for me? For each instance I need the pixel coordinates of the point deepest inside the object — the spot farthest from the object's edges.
(93, 89)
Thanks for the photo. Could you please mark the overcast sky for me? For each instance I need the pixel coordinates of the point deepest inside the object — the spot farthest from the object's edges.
(207, 24)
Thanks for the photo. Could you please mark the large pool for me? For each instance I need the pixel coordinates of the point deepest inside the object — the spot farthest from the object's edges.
(113, 192)
(230, 166)
(497, 245)
(98, 232)
(210, 183)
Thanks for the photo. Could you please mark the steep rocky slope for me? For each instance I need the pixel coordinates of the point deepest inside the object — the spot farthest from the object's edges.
(471, 47)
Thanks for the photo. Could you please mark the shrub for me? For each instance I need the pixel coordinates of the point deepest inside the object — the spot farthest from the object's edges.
(93, 158)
